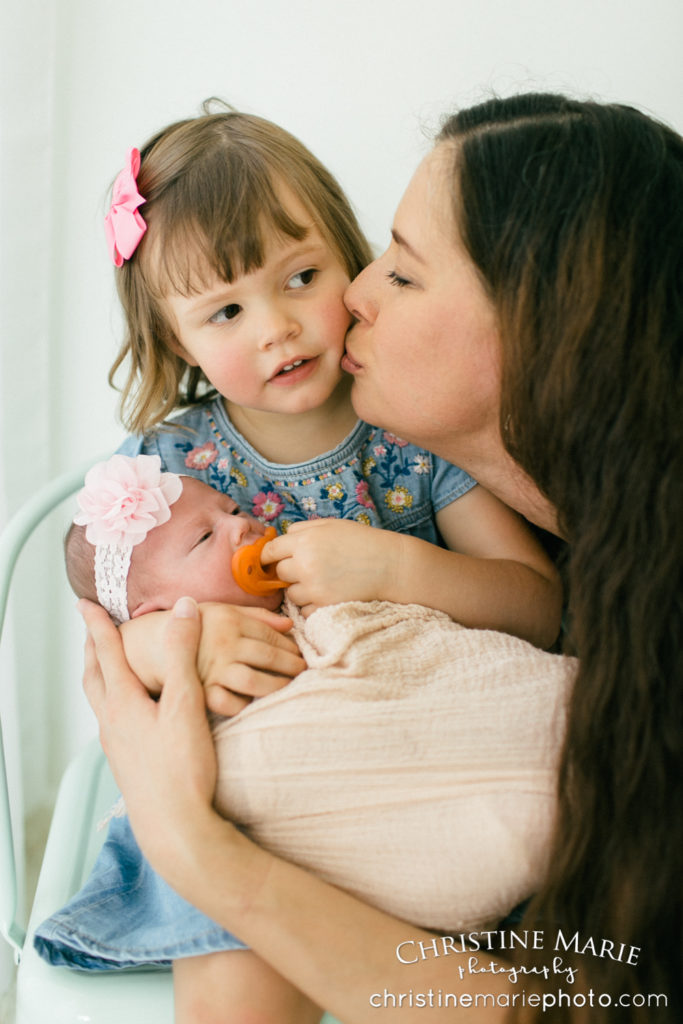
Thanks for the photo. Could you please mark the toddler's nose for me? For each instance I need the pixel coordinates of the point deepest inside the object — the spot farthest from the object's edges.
(278, 326)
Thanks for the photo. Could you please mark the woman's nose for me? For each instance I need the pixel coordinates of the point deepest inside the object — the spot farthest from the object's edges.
(359, 297)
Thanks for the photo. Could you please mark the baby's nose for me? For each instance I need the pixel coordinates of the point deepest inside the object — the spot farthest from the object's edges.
(234, 529)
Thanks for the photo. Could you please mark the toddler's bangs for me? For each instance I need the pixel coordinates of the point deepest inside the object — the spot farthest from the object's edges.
(215, 224)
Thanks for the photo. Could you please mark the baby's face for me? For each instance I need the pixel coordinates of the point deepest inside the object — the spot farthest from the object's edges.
(191, 554)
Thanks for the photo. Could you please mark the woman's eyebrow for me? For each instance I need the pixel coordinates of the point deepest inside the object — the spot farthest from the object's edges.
(400, 240)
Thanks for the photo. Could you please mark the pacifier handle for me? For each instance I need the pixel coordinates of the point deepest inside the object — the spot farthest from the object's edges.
(249, 574)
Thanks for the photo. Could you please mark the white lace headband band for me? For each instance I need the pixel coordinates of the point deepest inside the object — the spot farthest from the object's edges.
(123, 499)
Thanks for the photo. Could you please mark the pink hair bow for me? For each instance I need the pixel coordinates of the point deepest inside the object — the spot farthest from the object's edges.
(123, 225)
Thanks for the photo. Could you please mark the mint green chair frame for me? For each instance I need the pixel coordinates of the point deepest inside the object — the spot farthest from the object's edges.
(86, 793)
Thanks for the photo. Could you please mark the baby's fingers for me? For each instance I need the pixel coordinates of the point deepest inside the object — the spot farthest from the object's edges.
(224, 702)
(245, 684)
(257, 670)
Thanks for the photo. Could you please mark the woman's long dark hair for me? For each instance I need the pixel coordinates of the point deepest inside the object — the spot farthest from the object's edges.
(573, 213)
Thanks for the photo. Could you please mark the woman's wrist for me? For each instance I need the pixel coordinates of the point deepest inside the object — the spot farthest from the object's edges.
(205, 847)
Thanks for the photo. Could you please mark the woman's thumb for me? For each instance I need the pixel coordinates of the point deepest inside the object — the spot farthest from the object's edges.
(182, 640)
(186, 608)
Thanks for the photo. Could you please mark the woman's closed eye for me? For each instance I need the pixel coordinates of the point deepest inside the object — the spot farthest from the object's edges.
(303, 278)
(225, 313)
(396, 279)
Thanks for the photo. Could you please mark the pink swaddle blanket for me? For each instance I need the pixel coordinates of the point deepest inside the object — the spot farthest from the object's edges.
(413, 764)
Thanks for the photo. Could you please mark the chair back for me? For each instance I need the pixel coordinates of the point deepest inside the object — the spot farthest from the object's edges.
(12, 540)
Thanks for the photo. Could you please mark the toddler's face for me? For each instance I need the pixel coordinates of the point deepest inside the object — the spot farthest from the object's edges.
(191, 554)
(271, 340)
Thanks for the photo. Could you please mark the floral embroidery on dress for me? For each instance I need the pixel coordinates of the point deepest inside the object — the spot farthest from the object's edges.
(267, 506)
(392, 439)
(398, 499)
(371, 481)
(201, 457)
(363, 494)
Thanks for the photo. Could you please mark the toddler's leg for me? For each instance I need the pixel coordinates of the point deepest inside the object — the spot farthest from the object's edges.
(236, 987)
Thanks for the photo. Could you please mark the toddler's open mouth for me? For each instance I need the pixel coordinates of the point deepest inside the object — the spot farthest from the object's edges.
(295, 370)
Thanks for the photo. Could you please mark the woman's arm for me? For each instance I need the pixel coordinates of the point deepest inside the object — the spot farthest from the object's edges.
(492, 574)
(339, 951)
(243, 653)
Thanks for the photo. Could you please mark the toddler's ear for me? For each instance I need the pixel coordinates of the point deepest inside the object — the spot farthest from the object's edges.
(179, 350)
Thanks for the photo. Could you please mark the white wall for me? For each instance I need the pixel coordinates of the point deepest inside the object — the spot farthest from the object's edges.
(362, 82)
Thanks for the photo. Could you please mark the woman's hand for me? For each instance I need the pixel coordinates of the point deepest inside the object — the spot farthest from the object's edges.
(160, 751)
(327, 561)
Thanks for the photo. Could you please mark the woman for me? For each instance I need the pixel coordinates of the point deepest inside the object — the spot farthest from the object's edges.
(527, 324)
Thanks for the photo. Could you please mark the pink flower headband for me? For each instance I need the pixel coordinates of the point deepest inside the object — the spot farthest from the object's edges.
(123, 225)
(123, 499)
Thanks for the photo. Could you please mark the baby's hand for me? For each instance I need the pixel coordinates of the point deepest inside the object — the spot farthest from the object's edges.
(327, 561)
(244, 653)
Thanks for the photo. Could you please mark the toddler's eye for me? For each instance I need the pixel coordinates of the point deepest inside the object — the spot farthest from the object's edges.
(303, 278)
(400, 282)
(225, 313)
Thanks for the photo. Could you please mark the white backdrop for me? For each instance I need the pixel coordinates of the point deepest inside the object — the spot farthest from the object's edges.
(362, 82)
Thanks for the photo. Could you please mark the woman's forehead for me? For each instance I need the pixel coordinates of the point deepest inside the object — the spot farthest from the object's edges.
(424, 218)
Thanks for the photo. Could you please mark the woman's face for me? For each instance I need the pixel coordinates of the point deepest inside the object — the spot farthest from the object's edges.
(424, 352)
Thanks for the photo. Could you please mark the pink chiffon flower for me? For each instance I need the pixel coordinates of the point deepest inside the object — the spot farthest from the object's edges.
(124, 498)
(124, 225)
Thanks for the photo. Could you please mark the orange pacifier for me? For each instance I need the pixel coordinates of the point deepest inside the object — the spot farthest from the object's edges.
(248, 572)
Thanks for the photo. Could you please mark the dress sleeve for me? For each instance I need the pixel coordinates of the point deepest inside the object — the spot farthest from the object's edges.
(176, 443)
(449, 483)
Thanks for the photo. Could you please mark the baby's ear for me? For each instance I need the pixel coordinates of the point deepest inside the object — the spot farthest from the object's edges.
(147, 606)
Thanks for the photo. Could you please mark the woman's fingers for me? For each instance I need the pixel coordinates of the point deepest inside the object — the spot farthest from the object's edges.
(108, 647)
(107, 676)
(93, 680)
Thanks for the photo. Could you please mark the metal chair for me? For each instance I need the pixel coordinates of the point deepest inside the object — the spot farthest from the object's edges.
(87, 791)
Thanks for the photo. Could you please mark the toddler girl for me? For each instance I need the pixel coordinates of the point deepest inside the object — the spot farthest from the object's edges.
(234, 247)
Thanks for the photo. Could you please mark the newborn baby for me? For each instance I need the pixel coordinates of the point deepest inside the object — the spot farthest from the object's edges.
(413, 763)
